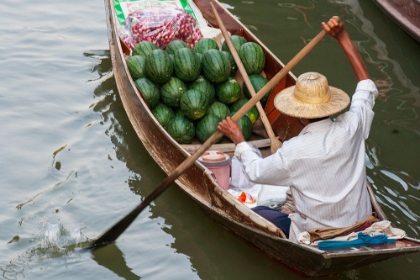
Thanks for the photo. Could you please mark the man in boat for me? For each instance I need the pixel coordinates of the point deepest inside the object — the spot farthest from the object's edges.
(325, 164)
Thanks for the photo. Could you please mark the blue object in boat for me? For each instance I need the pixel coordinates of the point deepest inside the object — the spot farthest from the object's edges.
(362, 240)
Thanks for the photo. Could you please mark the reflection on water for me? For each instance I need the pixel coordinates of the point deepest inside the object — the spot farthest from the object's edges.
(112, 258)
(401, 89)
(301, 9)
(392, 189)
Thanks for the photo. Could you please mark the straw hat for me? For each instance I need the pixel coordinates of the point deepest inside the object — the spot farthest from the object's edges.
(311, 98)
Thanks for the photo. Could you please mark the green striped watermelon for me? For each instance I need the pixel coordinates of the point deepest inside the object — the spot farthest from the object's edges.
(193, 104)
(187, 65)
(228, 91)
(149, 91)
(144, 48)
(258, 82)
(159, 66)
(246, 126)
(237, 42)
(216, 66)
(218, 109)
(136, 65)
(175, 45)
(205, 44)
(171, 92)
(252, 57)
(252, 114)
(163, 114)
(206, 127)
(181, 129)
(233, 66)
(205, 86)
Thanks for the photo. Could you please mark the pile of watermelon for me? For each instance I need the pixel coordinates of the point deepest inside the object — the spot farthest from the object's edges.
(190, 90)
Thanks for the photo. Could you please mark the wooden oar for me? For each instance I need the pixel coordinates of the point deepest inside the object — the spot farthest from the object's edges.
(116, 230)
(274, 142)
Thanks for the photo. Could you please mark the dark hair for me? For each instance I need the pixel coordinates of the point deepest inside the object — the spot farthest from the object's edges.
(318, 119)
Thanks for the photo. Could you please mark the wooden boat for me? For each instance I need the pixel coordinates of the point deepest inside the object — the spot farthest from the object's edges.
(199, 184)
(406, 13)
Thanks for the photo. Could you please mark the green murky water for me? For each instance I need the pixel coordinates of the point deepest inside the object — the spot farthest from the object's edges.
(71, 165)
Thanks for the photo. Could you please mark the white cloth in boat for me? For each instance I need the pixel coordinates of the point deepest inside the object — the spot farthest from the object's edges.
(324, 166)
(256, 194)
(382, 227)
(261, 195)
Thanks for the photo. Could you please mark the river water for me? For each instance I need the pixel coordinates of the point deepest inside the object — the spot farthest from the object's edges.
(71, 165)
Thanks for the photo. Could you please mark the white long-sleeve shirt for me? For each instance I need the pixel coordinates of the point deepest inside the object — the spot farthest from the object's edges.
(324, 166)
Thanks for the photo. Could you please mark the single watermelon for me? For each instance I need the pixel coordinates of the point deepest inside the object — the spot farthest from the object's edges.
(233, 66)
(159, 66)
(193, 104)
(228, 91)
(258, 82)
(171, 92)
(187, 65)
(136, 65)
(181, 129)
(218, 109)
(205, 44)
(206, 127)
(205, 86)
(246, 126)
(163, 114)
(175, 45)
(149, 91)
(252, 114)
(144, 48)
(216, 66)
(252, 57)
(237, 42)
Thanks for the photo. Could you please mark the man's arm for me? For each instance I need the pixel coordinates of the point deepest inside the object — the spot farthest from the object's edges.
(366, 90)
(335, 29)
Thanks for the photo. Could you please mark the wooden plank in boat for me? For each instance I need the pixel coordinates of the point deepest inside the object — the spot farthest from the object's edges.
(226, 147)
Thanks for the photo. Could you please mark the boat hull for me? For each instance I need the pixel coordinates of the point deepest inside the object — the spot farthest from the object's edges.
(200, 184)
(406, 13)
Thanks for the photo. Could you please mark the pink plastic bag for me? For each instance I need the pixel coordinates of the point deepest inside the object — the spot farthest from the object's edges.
(160, 25)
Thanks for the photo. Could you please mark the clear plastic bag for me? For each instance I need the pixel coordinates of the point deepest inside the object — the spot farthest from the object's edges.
(160, 25)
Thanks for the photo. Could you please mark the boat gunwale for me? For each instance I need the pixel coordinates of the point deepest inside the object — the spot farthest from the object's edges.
(402, 18)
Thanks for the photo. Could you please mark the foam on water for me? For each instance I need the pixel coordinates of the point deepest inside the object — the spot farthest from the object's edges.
(56, 235)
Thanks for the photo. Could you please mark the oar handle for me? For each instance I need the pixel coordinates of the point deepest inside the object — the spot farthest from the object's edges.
(275, 143)
(115, 231)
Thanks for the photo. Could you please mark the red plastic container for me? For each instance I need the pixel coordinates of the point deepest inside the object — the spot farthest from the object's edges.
(219, 163)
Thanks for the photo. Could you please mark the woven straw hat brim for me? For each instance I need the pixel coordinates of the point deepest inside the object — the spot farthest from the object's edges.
(286, 103)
